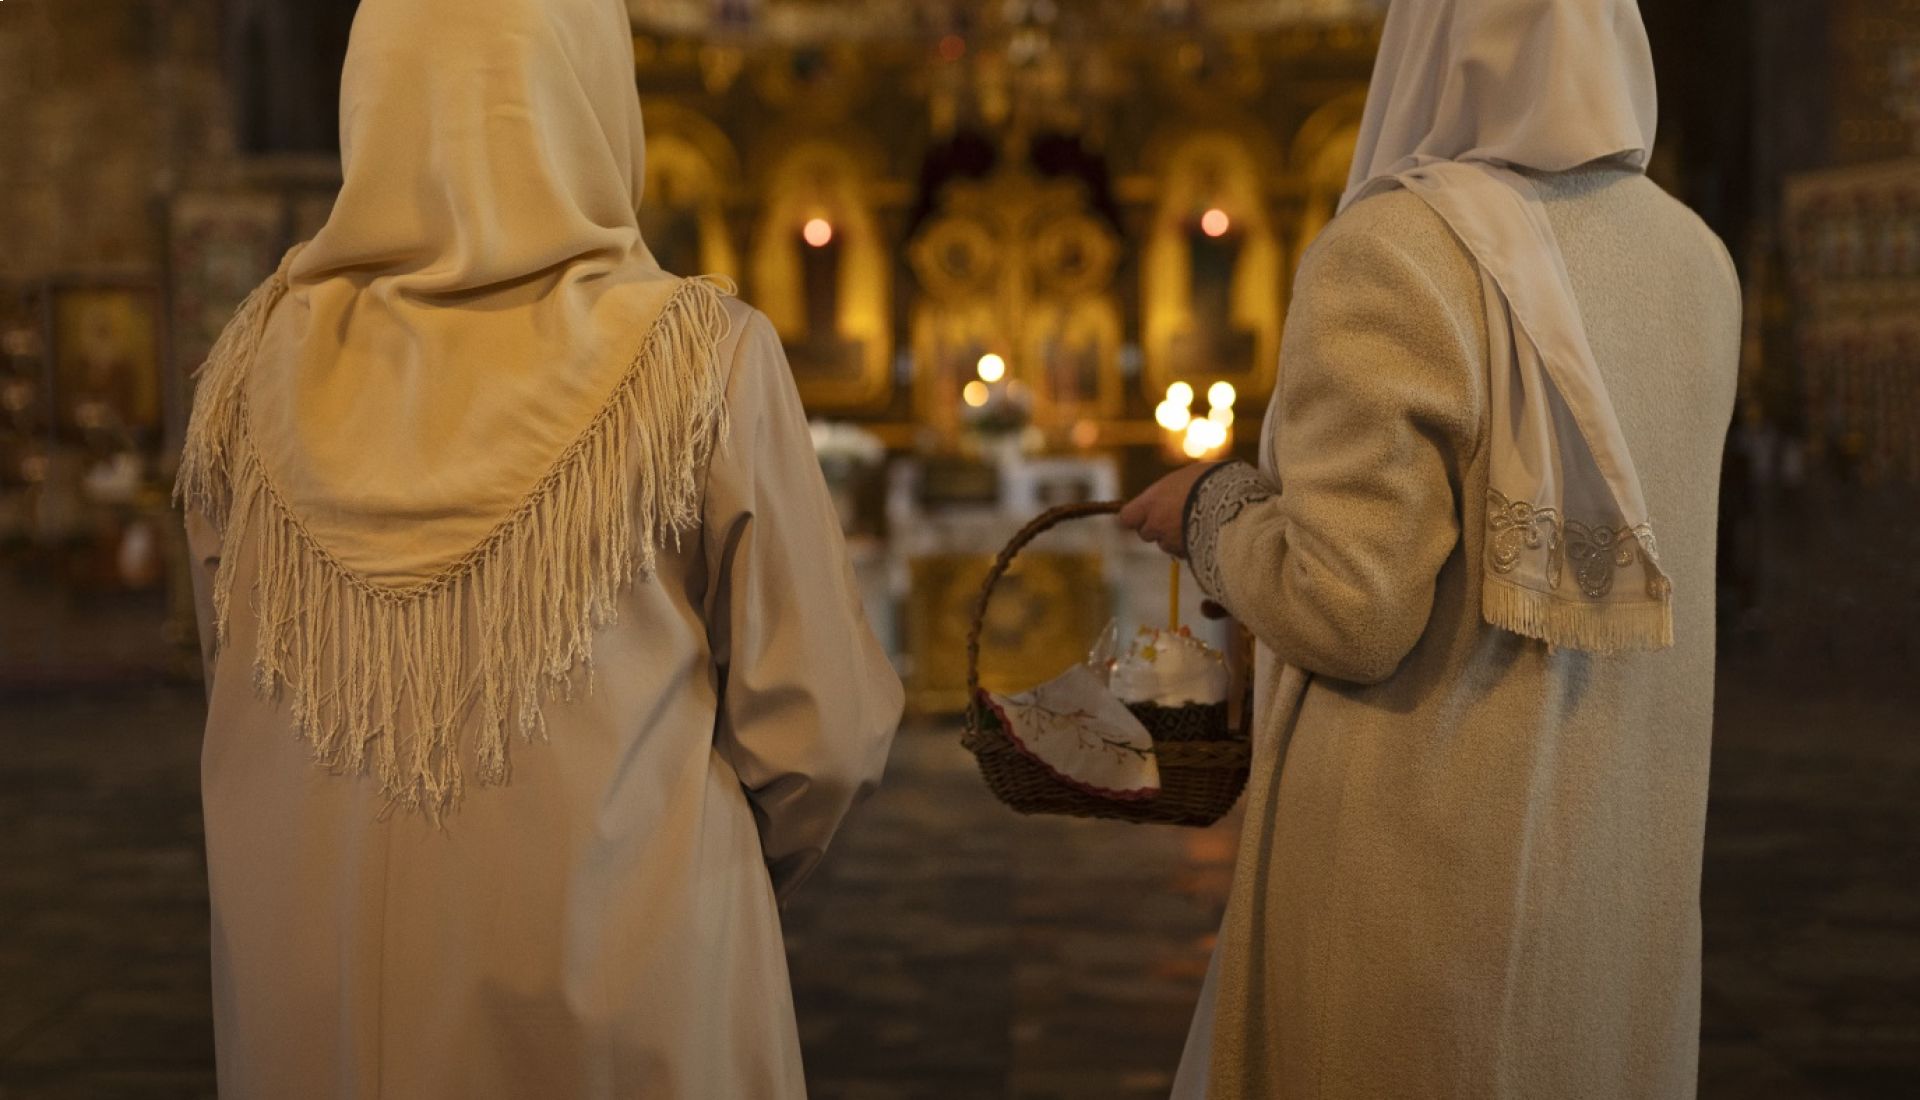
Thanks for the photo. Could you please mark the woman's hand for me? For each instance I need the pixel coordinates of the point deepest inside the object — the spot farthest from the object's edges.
(1159, 514)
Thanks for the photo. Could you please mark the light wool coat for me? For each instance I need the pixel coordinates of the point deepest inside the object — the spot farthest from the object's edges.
(606, 924)
(1470, 865)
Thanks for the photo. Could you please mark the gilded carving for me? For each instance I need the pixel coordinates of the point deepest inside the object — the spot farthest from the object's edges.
(1020, 266)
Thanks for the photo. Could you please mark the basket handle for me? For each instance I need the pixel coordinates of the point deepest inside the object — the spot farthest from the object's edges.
(1041, 523)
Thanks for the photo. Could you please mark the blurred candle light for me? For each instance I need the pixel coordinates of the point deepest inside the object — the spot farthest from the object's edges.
(1221, 395)
(1204, 436)
(1221, 415)
(992, 368)
(817, 232)
(975, 393)
(1172, 416)
(1194, 446)
(1215, 223)
(1180, 394)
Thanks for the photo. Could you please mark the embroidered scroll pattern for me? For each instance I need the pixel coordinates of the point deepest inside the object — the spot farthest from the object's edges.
(1217, 501)
(1596, 552)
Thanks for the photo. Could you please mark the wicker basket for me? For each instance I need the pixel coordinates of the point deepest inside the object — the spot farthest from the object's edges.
(1203, 756)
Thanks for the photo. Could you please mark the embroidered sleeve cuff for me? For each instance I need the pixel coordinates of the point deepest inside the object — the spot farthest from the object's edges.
(1215, 501)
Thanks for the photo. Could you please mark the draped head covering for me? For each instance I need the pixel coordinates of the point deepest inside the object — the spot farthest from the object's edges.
(1464, 93)
(459, 421)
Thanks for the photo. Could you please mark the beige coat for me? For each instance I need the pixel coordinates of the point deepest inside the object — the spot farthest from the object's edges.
(1470, 865)
(606, 924)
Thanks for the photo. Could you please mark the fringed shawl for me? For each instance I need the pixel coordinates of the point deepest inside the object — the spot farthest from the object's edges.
(383, 677)
(453, 428)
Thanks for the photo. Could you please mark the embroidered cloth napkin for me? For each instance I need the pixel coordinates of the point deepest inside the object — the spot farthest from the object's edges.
(1075, 728)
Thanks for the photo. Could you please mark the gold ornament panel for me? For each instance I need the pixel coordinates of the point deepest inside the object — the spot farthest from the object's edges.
(1019, 266)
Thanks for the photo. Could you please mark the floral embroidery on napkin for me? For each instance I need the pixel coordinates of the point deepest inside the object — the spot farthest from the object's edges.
(1075, 728)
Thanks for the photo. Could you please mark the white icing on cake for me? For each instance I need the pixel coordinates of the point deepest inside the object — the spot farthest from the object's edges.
(1169, 668)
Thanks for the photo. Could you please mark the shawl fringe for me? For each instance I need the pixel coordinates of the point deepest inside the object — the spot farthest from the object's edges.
(1589, 625)
(381, 678)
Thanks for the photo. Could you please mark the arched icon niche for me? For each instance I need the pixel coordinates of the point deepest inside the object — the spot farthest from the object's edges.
(691, 170)
(820, 269)
(1211, 271)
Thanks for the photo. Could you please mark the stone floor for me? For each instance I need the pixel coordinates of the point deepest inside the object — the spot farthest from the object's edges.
(953, 950)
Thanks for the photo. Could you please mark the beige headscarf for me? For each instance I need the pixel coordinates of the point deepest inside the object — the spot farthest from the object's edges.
(1464, 92)
(458, 423)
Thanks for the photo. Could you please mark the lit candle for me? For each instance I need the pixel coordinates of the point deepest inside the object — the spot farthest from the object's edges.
(1214, 251)
(820, 279)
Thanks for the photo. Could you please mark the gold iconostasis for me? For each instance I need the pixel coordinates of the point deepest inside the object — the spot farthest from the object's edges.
(962, 237)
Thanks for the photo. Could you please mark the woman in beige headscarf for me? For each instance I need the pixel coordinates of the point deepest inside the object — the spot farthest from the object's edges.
(1471, 859)
(537, 672)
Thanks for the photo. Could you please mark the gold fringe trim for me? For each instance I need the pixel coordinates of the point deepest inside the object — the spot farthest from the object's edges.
(214, 429)
(1594, 626)
(382, 678)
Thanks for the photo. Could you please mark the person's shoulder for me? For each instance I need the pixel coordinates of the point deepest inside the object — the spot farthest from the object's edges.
(753, 355)
(741, 315)
(1395, 213)
(748, 329)
(1689, 244)
(1398, 229)
(1651, 201)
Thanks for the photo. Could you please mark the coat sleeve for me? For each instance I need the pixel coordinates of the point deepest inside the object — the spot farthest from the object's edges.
(1333, 563)
(809, 701)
